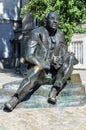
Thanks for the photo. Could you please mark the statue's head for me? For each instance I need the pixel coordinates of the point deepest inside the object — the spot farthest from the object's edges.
(52, 20)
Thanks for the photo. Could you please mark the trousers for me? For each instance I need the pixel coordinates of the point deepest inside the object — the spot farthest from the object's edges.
(37, 76)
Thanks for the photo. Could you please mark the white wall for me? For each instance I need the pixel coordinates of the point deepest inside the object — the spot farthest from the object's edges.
(76, 38)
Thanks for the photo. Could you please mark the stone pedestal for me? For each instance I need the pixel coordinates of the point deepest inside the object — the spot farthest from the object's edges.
(72, 95)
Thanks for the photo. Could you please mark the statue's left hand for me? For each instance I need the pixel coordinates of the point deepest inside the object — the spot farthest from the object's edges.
(46, 65)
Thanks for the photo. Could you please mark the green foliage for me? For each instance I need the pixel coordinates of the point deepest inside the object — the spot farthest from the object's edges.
(80, 30)
(71, 12)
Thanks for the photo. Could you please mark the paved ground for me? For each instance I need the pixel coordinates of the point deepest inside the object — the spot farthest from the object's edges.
(62, 118)
(44, 119)
(8, 75)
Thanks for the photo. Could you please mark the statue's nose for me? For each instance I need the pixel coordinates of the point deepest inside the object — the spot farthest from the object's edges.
(55, 20)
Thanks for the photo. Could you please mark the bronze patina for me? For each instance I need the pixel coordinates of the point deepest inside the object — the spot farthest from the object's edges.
(46, 53)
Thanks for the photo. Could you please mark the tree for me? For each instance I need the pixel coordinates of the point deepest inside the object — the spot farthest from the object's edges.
(71, 12)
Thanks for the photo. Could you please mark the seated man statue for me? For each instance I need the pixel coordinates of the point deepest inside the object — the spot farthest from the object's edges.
(46, 53)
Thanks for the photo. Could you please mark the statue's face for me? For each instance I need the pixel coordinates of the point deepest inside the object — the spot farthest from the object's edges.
(53, 20)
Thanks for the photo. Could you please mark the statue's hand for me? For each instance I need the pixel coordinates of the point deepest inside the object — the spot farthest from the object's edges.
(45, 65)
(56, 59)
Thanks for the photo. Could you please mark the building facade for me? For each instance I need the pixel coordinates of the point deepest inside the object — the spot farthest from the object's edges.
(78, 47)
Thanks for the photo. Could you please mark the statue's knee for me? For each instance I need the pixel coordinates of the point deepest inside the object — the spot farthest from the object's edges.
(69, 60)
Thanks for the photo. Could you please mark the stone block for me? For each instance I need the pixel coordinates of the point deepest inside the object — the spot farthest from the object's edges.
(73, 94)
(75, 78)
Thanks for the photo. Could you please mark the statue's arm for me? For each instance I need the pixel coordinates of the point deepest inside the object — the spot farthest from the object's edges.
(65, 50)
(31, 55)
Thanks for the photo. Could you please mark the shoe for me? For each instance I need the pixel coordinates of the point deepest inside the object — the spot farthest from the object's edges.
(52, 100)
(10, 105)
(52, 96)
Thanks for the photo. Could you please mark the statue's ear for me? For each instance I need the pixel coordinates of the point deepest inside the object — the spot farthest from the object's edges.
(45, 20)
(47, 14)
(46, 17)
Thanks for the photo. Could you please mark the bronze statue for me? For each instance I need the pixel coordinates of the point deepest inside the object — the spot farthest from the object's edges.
(46, 53)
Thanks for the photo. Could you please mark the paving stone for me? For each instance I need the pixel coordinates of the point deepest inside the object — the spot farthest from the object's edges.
(65, 118)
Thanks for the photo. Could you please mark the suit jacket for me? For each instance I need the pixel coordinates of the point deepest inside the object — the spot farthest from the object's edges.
(41, 46)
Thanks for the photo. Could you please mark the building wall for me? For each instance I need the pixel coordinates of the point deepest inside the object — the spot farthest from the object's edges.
(78, 46)
(9, 14)
(9, 9)
(10, 24)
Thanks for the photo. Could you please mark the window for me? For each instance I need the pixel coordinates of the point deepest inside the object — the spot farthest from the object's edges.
(77, 48)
